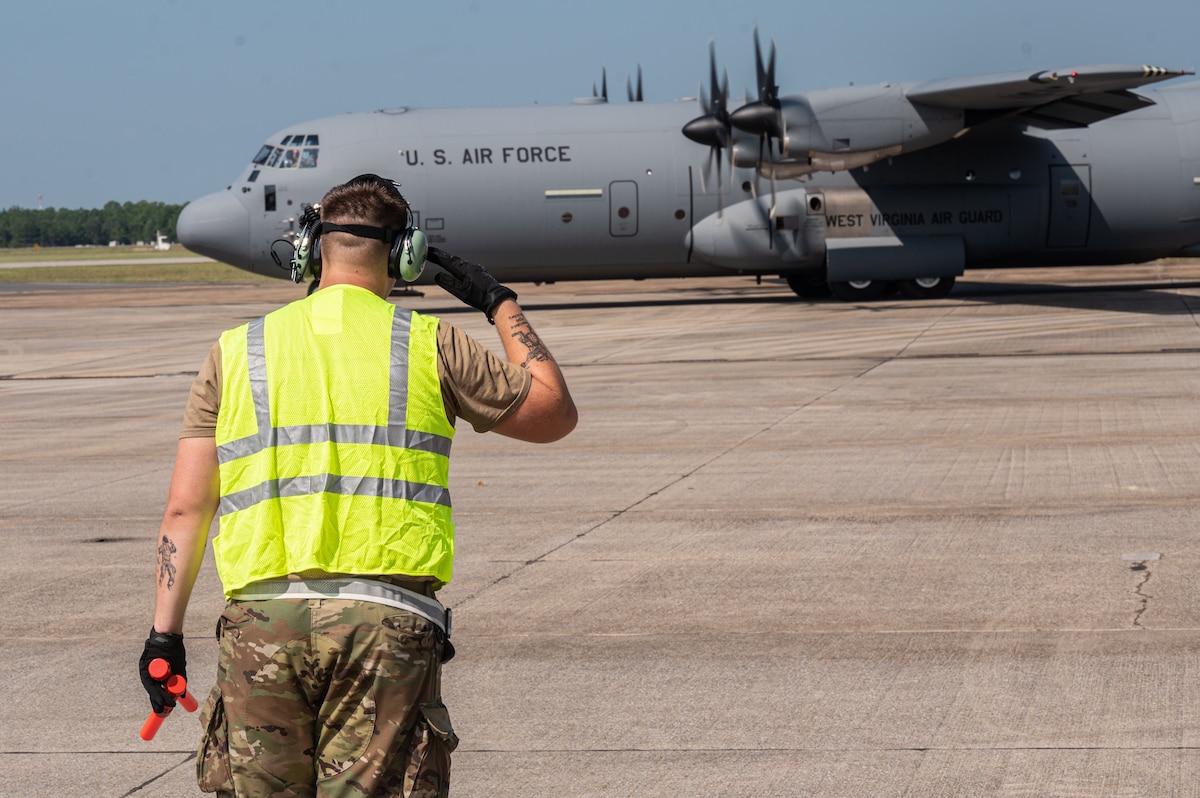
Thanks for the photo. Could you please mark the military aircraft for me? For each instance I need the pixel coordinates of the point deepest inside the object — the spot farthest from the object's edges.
(851, 191)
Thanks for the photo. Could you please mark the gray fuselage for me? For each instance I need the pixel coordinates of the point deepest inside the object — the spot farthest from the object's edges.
(596, 190)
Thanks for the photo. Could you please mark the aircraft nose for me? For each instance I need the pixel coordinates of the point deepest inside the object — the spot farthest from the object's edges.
(216, 225)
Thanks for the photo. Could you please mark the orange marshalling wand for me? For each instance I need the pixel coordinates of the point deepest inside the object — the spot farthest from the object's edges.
(176, 685)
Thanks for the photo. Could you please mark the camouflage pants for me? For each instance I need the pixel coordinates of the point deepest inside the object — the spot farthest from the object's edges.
(325, 698)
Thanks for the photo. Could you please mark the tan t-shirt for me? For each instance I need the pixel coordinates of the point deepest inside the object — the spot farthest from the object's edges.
(477, 386)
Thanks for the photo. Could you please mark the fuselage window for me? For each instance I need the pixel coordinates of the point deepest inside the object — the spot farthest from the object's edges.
(253, 176)
(274, 159)
(308, 159)
(313, 141)
(263, 154)
(291, 159)
(268, 198)
(286, 141)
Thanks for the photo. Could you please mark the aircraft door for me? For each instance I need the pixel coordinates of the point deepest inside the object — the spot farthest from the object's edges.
(622, 208)
(271, 218)
(1070, 205)
(281, 212)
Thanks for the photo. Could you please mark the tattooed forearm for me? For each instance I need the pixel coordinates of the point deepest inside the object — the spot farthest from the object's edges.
(523, 332)
(166, 568)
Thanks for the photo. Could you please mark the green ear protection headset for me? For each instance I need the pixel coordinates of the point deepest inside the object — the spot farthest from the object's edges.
(406, 260)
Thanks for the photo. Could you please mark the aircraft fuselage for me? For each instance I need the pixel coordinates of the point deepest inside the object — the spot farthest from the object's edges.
(600, 190)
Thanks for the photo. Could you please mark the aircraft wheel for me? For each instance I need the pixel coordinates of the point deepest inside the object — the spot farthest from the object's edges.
(927, 287)
(859, 290)
(807, 286)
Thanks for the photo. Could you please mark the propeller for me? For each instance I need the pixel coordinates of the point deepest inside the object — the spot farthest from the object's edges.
(713, 128)
(629, 87)
(764, 117)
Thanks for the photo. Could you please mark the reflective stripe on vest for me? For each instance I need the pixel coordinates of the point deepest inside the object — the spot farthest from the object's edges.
(395, 434)
(367, 495)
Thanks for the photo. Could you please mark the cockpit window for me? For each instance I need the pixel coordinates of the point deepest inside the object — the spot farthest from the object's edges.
(295, 150)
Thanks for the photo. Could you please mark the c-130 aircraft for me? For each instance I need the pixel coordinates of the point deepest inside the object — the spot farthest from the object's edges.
(848, 191)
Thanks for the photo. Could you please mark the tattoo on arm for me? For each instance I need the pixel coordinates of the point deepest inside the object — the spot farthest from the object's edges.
(166, 568)
(523, 332)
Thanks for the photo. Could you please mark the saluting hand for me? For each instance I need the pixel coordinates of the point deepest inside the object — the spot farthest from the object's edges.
(470, 282)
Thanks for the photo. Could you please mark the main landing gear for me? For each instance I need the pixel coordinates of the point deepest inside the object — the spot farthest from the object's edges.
(859, 290)
(926, 287)
(808, 285)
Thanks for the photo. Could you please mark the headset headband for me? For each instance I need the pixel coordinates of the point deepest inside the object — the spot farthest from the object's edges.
(385, 234)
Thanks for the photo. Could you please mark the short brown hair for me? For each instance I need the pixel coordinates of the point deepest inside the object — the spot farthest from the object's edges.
(367, 199)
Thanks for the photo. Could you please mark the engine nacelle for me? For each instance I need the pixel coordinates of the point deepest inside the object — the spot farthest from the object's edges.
(845, 128)
(747, 237)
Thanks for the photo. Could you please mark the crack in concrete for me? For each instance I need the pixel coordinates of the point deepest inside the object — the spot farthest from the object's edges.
(1137, 591)
(150, 781)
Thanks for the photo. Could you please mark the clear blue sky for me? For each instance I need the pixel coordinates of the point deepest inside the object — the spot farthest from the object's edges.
(167, 100)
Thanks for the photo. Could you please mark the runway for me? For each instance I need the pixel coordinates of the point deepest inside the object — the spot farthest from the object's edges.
(904, 548)
(31, 264)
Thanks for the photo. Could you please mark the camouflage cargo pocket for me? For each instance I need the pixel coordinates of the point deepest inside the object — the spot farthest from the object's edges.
(212, 760)
(428, 771)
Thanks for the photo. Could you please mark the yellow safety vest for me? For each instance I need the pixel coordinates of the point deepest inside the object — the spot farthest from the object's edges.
(333, 443)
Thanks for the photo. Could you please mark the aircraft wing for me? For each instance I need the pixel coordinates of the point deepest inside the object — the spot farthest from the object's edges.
(839, 129)
(1059, 98)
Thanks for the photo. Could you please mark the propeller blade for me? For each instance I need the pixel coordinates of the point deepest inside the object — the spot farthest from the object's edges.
(634, 98)
(720, 194)
(772, 190)
(725, 99)
(758, 172)
(768, 92)
(764, 148)
(760, 74)
(712, 68)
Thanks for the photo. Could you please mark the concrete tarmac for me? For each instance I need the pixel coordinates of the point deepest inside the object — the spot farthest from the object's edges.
(904, 548)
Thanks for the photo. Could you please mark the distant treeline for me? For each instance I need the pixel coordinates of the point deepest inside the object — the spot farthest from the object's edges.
(125, 223)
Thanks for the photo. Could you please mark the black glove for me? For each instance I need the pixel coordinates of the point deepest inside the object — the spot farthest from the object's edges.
(169, 647)
(470, 282)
